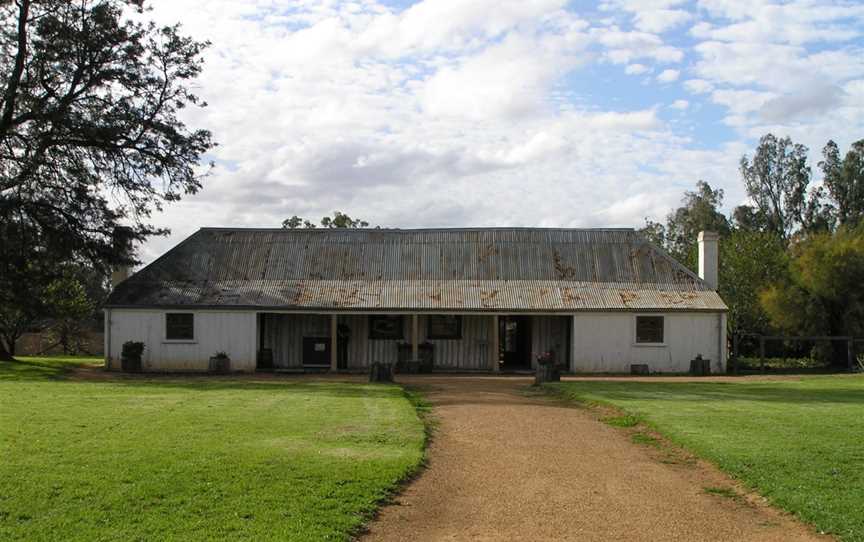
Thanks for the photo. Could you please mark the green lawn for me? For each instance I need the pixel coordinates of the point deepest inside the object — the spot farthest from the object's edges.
(195, 458)
(799, 443)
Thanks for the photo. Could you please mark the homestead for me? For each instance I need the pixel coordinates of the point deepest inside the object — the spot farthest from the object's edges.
(484, 299)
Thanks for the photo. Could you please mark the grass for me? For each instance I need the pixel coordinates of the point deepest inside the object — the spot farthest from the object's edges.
(196, 458)
(627, 420)
(53, 368)
(645, 439)
(725, 492)
(800, 443)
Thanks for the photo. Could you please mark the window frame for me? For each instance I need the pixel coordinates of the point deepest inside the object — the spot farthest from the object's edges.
(373, 336)
(637, 342)
(167, 337)
(438, 337)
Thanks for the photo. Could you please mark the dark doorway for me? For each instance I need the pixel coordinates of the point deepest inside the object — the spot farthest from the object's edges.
(316, 352)
(343, 335)
(514, 336)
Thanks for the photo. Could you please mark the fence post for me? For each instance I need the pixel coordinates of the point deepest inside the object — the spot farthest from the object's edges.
(850, 354)
(762, 354)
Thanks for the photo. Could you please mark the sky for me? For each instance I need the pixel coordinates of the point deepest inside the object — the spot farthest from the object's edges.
(548, 113)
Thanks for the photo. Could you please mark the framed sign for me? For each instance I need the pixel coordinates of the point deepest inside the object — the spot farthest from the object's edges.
(385, 327)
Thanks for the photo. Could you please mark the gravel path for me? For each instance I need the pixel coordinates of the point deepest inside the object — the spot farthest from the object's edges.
(509, 465)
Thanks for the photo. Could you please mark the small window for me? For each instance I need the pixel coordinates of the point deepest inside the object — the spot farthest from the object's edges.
(444, 327)
(649, 329)
(385, 327)
(179, 326)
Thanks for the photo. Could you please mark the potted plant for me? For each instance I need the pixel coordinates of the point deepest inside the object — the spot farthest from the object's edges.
(547, 369)
(130, 356)
(220, 363)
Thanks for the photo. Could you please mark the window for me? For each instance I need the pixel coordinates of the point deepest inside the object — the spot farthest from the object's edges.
(649, 329)
(179, 326)
(444, 327)
(385, 327)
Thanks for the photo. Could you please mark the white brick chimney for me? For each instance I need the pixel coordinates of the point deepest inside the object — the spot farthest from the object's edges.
(122, 243)
(708, 257)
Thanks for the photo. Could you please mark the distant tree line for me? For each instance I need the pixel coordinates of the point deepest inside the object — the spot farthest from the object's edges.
(792, 259)
(338, 220)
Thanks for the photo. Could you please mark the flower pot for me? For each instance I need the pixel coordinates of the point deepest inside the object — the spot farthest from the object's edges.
(546, 372)
(219, 365)
(130, 364)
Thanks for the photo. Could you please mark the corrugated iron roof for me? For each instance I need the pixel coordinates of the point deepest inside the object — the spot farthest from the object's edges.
(502, 269)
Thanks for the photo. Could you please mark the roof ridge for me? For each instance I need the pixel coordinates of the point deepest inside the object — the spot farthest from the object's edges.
(412, 230)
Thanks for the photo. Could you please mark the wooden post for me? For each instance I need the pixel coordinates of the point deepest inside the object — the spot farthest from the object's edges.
(762, 354)
(494, 346)
(415, 337)
(334, 343)
(850, 354)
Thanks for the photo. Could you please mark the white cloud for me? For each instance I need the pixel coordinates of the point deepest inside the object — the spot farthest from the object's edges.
(623, 46)
(446, 25)
(660, 20)
(814, 100)
(698, 86)
(775, 65)
(668, 76)
(636, 69)
(796, 22)
(508, 80)
(680, 105)
(656, 16)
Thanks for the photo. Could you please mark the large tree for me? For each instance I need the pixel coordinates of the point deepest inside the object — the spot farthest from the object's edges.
(90, 132)
(749, 262)
(844, 181)
(777, 179)
(823, 291)
(24, 275)
(700, 210)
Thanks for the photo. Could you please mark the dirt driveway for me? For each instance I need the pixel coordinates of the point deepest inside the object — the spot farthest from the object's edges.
(509, 465)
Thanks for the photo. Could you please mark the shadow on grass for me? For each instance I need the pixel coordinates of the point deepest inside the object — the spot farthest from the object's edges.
(815, 390)
(40, 369)
(203, 384)
(62, 370)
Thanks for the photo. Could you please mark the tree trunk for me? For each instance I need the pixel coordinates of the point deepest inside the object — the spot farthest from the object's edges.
(5, 354)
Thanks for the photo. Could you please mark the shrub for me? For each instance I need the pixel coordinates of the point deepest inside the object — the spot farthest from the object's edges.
(755, 363)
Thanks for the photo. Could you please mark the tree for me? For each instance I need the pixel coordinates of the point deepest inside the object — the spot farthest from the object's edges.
(748, 218)
(776, 180)
(24, 275)
(749, 262)
(823, 291)
(700, 211)
(844, 181)
(296, 222)
(70, 310)
(338, 220)
(89, 129)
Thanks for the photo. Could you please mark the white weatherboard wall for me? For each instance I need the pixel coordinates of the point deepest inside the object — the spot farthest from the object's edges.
(232, 332)
(605, 342)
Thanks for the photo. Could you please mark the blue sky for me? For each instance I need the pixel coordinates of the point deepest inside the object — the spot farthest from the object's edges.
(499, 112)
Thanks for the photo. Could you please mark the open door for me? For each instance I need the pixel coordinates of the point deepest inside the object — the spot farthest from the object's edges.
(514, 336)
